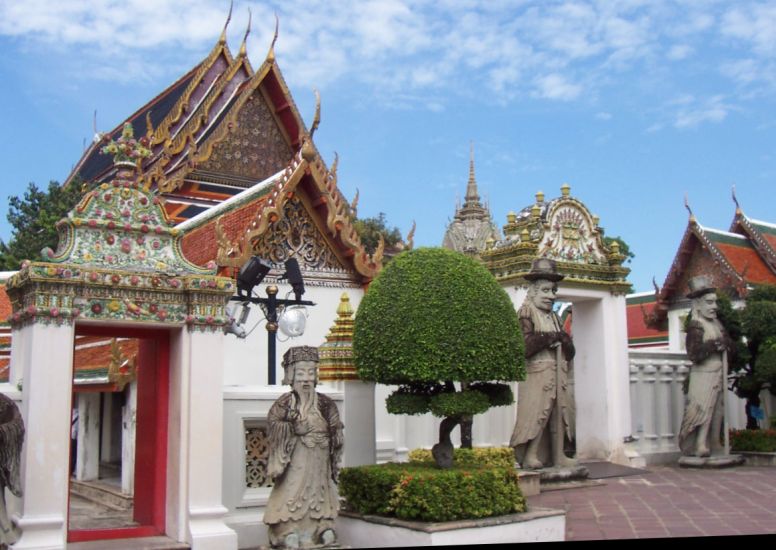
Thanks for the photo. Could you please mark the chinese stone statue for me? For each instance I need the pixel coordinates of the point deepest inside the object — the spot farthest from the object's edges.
(11, 439)
(306, 443)
(545, 405)
(707, 344)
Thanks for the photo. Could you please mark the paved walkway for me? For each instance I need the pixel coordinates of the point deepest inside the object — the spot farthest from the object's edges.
(670, 502)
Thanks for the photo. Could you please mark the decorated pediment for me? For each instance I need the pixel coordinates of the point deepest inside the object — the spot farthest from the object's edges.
(570, 235)
(562, 229)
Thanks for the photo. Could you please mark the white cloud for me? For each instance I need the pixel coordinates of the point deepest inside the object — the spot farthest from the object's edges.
(602, 115)
(406, 51)
(713, 109)
(555, 86)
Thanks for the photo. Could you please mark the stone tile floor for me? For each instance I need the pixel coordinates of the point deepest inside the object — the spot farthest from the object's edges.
(669, 501)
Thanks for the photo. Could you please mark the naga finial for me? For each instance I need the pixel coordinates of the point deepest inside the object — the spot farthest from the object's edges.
(222, 38)
(271, 52)
(317, 116)
(243, 47)
(687, 206)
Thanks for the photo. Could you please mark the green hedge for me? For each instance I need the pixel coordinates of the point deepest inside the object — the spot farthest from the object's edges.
(761, 441)
(498, 457)
(423, 492)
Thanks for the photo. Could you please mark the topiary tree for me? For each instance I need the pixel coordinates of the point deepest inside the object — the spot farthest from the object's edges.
(431, 318)
(758, 320)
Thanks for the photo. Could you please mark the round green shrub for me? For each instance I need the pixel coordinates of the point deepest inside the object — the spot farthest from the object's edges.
(456, 403)
(436, 315)
(422, 492)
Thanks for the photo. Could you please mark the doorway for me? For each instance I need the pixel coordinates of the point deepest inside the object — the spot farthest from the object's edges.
(119, 421)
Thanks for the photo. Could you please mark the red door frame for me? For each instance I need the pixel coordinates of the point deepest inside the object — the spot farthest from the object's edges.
(153, 389)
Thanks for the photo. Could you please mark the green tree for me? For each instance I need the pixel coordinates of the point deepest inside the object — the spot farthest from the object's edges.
(33, 218)
(431, 318)
(758, 320)
(370, 229)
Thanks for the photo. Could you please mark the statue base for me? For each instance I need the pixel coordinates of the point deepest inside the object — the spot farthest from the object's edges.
(554, 474)
(718, 461)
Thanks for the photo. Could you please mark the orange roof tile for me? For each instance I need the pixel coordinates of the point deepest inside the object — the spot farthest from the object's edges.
(5, 305)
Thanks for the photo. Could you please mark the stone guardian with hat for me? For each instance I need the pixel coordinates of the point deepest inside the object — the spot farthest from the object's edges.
(545, 404)
(306, 444)
(708, 347)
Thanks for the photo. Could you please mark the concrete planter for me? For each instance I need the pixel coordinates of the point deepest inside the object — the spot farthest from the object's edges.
(753, 458)
(536, 525)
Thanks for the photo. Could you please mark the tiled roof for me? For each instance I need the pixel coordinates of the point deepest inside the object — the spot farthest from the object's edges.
(742, 256)
(638, 306)
(5, 305)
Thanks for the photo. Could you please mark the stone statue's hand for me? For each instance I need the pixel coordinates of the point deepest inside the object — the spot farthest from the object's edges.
(302, 427)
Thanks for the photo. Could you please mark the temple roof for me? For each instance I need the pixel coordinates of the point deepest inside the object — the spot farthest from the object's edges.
(735, 260)
(219, 129)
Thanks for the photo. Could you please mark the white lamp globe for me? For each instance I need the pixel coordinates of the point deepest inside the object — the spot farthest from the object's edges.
(292, 321)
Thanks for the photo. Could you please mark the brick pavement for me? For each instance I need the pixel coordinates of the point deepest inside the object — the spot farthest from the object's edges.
(669, 501)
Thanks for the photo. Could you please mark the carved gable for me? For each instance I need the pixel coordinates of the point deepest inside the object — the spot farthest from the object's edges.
(295, 234)
(255, 148)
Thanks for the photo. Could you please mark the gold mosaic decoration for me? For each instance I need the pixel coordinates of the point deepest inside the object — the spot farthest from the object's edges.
(336, 354)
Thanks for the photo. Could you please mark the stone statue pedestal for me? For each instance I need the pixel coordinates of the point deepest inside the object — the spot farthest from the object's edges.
(562, 473)
(719, 461)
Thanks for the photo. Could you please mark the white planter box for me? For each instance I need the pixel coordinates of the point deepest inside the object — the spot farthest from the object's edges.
(753, 458)
(536, 525)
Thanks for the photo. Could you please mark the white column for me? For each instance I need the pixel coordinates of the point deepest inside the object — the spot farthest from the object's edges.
(47, 367)
(128, 435)
(359, 420)
(87, 465)
(204, 408)
(601, 378)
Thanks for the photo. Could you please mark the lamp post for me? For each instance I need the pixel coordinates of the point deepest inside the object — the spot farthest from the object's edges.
(251, 274)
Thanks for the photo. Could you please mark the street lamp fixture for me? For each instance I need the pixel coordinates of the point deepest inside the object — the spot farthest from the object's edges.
(288, 315)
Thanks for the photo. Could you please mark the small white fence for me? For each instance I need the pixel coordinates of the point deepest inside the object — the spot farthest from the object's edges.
(657, 402)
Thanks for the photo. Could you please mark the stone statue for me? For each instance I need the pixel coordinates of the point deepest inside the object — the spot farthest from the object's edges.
(706, 343)
(544, 402)
(11, 439)
(306, 443)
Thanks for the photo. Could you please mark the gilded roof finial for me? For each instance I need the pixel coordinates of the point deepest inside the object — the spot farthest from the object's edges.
(354, 206)
(222, 38)
(149, 126)
(334, 166)
(539, 197)
(687, 206)
(243, 48)
(735, 200)
(271, 52)
(565, 189)
(317, 116)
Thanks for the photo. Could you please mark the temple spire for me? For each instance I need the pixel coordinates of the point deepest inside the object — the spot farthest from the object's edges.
(472, 196)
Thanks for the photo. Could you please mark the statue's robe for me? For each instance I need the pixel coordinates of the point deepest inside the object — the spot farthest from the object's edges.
(305, 449)
(537, 394)
(11, 440)
(705, 391)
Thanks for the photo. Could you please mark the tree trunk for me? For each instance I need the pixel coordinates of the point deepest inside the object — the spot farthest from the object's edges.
(466, 431)
(443, 451)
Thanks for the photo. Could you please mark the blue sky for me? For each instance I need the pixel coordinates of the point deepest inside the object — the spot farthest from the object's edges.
(634, 104)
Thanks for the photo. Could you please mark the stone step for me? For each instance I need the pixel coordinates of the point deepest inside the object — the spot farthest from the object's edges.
(102, 493)
(142, 543)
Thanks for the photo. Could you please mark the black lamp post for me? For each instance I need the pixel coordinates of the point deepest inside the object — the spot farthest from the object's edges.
(251, 275)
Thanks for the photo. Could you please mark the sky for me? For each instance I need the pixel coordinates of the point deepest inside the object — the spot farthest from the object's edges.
(635, 104)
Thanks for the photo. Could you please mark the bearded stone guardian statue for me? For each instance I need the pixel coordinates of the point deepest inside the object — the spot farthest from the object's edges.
(306, 443)
(708, 347)
(11, 440)
(545, 404)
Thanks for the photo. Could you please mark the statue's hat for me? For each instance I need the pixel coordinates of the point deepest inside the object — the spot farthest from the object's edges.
(545, 269)
(700, 285)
